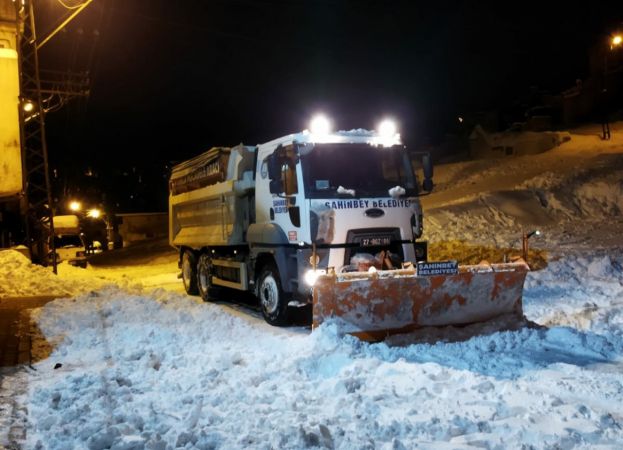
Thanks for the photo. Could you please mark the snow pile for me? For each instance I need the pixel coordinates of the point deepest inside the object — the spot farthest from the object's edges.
(544, 181)
(166, 371)
(585, 199)
(601, 198)
(21, 278)
(579, 291)
(595, 195)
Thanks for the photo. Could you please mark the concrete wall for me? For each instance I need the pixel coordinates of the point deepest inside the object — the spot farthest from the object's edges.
(141, 226)
(10, 151)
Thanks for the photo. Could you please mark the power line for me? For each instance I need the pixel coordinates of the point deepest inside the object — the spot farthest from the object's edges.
(66, 6)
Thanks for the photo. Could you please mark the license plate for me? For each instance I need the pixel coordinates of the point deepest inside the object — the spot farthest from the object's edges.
(369, 242)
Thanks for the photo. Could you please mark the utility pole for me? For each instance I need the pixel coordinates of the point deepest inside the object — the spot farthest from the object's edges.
(38, 201)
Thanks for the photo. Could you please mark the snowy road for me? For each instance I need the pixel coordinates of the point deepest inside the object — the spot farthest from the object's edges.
(140, 369)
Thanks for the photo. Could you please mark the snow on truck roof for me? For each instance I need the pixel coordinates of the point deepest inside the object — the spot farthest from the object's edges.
(359, 136)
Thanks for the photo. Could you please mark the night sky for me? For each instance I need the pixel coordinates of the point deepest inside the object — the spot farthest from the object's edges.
(171, 79)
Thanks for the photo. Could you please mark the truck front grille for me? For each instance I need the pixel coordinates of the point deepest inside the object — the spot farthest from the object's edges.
(373, 240)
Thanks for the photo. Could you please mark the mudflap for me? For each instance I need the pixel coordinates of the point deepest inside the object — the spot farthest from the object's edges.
(375, 305)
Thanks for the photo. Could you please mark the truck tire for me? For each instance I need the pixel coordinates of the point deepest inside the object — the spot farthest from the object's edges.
(207, 290)
(272, 299)
(189, 272)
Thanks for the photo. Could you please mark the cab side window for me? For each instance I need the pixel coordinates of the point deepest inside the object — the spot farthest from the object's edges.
(288, 172)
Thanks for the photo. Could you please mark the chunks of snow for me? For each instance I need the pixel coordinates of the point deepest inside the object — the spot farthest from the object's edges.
(343, 190)
(397, 191)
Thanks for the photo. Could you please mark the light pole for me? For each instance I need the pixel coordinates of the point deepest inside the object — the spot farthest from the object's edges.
(616, 40)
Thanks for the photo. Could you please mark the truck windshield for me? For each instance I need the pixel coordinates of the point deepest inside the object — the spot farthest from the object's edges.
(361, 170)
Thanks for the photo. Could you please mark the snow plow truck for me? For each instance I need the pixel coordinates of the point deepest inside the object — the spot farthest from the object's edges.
(332, 220)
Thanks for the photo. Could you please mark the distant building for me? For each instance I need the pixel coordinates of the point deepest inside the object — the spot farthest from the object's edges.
(142, 226)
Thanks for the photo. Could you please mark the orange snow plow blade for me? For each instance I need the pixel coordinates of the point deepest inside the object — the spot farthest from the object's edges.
(374, 305)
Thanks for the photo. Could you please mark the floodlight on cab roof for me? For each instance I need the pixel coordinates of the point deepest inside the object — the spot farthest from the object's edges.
(320, 125)
(388, 134)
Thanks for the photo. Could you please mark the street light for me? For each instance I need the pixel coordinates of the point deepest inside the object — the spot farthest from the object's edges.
(615, 41)
(75, 206)
(28, 106)
(94, 213)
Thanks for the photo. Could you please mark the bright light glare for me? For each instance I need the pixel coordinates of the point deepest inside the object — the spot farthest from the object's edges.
(320, 125)
(387, 129)
(28, 106)
(75, 206)
(617, 40)
(94, 213)
(312, 275)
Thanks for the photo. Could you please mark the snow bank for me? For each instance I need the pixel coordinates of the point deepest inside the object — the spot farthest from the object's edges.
(21, 278)
(585, 292)
(579, 201)
(601, 198)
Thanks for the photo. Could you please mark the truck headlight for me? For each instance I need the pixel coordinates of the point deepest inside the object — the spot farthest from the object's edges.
(312, 275)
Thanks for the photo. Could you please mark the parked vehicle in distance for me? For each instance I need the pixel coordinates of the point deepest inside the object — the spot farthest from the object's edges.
(69, 241)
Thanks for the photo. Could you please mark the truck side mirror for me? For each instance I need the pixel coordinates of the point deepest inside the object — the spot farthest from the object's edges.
(273, 163)
(427, 165)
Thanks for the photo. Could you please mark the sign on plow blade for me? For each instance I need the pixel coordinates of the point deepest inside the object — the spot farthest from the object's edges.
(373, 305)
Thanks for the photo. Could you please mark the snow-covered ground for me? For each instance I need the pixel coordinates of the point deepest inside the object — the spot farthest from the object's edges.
(141, 366)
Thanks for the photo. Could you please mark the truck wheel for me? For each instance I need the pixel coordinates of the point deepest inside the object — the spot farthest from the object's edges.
(189, 272)
(204, 279)
(272, 300)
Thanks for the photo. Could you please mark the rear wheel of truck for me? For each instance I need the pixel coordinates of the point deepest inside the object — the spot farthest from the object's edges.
(272, 299)
(207, 290)
(189, 272)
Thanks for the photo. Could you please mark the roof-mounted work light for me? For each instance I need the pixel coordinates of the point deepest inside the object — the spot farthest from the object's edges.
(387, 129)
(387, 133)
(320, 125)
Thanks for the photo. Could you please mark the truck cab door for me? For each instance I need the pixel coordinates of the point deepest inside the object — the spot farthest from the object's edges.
(285, 185)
